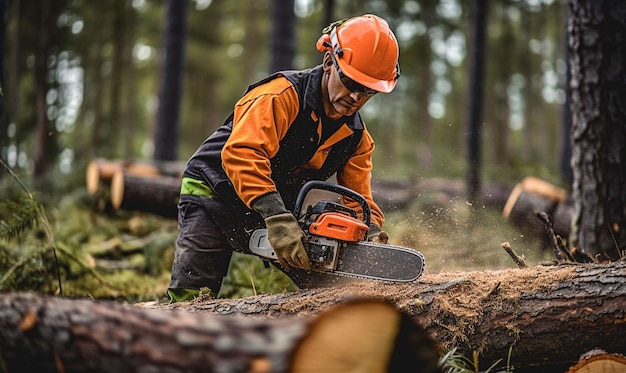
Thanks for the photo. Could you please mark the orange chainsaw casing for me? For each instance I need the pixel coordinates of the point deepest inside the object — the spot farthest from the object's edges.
(339, 226)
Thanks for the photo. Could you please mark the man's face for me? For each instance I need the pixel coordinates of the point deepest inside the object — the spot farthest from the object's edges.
(343, 101)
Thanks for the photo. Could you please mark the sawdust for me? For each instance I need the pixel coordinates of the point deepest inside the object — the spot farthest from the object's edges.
(457, 291)
(457, 304)
(460, 295)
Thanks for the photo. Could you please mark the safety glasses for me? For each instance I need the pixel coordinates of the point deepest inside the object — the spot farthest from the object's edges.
(350, 84)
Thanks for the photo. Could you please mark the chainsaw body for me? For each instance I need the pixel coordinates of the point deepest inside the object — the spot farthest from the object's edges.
(337, 240)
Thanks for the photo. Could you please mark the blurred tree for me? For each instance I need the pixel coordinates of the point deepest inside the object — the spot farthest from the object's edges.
(12, 45)
(474, 117)
(283, 38)
(497, 85)
(597, 39)
(565, 157)
(201, 109)
(130, 118)
(116, 75)
(171, 81)
(3, 29)
(43, 134)
(329, 13)
(94, 97)
(112, 45)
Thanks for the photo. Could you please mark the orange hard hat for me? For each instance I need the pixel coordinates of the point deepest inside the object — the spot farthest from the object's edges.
(365, 49)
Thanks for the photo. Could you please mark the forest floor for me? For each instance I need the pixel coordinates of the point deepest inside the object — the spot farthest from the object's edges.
(127, 255)
(85, 249)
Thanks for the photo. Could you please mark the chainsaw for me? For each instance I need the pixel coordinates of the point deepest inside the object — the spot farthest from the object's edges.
(337, 242)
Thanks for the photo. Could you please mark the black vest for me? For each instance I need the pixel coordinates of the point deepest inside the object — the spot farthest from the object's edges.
(296, 148)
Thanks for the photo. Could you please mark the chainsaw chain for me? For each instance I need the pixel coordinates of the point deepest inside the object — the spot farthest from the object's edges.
(365, 243)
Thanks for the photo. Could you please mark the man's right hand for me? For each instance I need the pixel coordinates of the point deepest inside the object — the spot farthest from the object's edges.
(288, 240)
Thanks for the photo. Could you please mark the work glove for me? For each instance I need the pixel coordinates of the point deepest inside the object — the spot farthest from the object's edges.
(376, 235)
(283, 231)
(288, 240)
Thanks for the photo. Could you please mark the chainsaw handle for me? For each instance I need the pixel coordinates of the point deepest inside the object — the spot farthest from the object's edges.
(324, 185)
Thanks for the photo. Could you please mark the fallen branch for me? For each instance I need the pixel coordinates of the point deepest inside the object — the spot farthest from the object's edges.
(521, 263)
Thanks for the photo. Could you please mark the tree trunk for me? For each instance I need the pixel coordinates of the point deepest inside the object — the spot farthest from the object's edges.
(117, 76)
(596, 38)
(15, 73)
(283, 42)
(565, 154)
(329, 13)
(171, 86)
(3, 52)
(543, 315)
(41, 158)
(474, 116)
(94, 97)
(43, 334)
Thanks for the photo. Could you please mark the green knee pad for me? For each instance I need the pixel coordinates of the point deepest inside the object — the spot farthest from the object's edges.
(182, 294)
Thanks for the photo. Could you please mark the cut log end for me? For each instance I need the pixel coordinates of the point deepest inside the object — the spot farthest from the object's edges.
(365, 336)
(117, 189)
(600, 363)
(92, 177)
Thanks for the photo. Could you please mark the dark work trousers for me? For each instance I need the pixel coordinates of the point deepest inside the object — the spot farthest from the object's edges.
(208, 232)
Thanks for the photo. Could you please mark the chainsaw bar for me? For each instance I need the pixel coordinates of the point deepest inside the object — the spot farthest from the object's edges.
(379, 262)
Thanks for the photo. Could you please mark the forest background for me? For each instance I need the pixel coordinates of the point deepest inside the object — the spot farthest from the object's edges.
(95, 94)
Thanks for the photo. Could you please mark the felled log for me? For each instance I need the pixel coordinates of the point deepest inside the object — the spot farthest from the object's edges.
(541, 315)
(44, 334)
(155, 194)
(534, 195)
(100, 171)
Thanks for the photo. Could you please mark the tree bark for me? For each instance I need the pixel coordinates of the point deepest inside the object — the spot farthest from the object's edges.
(543, 315)
(44, 334)
(598, 86)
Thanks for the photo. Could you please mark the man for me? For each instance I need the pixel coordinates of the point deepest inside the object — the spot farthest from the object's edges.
(290, 128)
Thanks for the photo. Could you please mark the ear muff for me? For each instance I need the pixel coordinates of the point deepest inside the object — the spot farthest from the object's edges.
(323, 43)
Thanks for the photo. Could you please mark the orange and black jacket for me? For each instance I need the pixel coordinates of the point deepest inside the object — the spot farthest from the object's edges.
(277, 139)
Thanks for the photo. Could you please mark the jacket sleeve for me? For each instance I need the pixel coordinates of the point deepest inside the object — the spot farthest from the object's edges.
(261, 119)
(357, 175)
